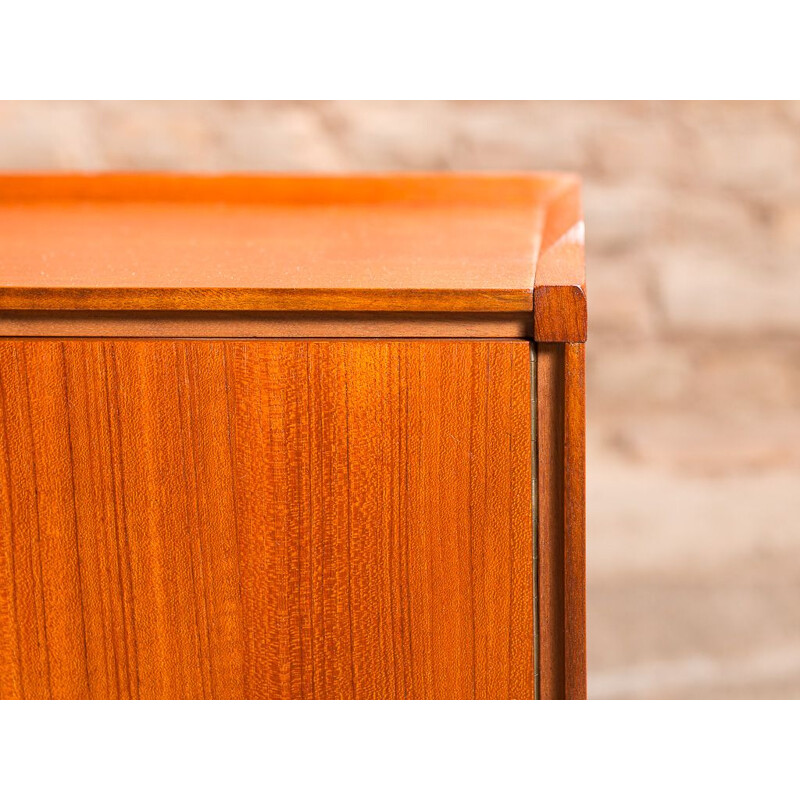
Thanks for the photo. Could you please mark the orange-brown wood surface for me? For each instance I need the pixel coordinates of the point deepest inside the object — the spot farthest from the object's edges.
(263, 325)
(561, 514)
(559, 294)
(549, 513)
(575, 521)
(265, 519)
(378, 244)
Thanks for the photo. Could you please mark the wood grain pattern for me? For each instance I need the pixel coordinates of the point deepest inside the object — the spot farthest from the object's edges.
(397, 244)
(549, 513)
(559, 293)
(205, 298)
(575, 521)
(380, 243)
(560, 389)
(265, 519)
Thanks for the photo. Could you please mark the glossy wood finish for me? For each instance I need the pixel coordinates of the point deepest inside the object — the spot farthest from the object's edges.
(561, 475)
(265, 519)
(461, 301)
(479, 189)
(379, 244)
(549, 513)
(270, 257)
(424, 243)
(560, 328)
(575, 521)
(559, 294)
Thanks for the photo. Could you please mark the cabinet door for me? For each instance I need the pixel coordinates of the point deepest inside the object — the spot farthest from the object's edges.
(265, 519)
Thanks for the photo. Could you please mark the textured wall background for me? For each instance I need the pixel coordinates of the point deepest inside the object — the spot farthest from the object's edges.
(693, 225)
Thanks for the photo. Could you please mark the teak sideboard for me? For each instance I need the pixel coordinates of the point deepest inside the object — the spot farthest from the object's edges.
(292, 436)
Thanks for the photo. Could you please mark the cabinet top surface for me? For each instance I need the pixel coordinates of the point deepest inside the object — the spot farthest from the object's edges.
(373, 242)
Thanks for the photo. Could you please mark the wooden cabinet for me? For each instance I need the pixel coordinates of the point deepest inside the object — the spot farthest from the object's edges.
(291, 437)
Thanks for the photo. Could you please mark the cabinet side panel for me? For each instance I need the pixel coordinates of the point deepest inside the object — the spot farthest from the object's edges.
(575, 520)
(550, 484)
(290, 519)
(561, 520)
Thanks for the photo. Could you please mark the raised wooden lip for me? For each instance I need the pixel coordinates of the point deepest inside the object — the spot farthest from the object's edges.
(559, 288)
(557, 297)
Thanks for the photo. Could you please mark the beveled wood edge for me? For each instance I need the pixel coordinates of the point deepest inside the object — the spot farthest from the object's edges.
(559, 288)
(557, 298)
(561, 523)
(457, 301)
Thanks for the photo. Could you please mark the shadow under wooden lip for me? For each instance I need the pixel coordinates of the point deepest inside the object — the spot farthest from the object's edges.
(256, 324)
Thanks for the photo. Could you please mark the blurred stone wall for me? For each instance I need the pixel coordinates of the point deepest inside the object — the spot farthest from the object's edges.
(693, 236)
